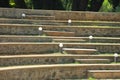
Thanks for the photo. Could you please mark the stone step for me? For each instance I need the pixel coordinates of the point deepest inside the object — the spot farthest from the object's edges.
(89, 23)
(27, 21)
(58, 33)
(17, 48)
(68, 40)
(104, 74)
(93, 61)
(55, 71)
(16, 38)
(86, 39)
(26, 29)
(79, 51)
(38, 17)
(34, 59)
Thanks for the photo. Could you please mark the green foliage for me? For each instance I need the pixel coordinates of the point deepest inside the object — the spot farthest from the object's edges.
(90, 78)
(106, 7)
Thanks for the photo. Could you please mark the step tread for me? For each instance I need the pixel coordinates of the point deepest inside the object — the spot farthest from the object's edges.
(103, 71)
(79, 49)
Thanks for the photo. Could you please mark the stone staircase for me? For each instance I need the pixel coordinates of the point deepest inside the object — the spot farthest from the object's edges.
(26, 54)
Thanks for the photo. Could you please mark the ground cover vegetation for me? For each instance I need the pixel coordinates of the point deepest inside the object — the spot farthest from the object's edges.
(74, 5)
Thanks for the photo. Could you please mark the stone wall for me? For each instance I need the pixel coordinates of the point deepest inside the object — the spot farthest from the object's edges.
(52, 72)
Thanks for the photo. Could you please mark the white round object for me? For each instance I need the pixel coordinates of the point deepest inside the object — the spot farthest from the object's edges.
(61, 45)
(40, 29)
(116, 55)
(90, 37)
(69, 21)
(23, 15)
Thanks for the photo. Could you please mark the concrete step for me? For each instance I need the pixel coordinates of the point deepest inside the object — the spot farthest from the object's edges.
(86, 39)
(79, 51)
(38, 17)
(58, 33)
(34, 59)
(68, 40)
(16, 38)
(104, 74)
(93, 61)
(27, 21)
(89, 23)
(15, 48)
(8, 29)
(55, 71)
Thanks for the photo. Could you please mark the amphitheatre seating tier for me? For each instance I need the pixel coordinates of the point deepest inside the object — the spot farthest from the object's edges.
(61, 15)
(104, 74)
(16, 60)
(86, 39)
(80, 51)
(40, 48)
(15, 29)
(58, 33)
(92, 61)
(40, 17)
(60, 71)
(22, 38)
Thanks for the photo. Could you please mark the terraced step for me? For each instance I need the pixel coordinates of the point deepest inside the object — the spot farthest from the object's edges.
(79, 51)
(89, 23)
(12, 60)
(58, 33)
(104, 74)
(16, 38)
(38, 17)
(93, 61)
(26, 29)
(17, 48)
(68, 40)
(86, 39)
(54, 72)
(27, 21)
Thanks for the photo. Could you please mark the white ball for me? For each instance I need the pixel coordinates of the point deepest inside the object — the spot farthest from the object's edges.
(90, 37)
(40, 29)
(116, 55)
(61, 45)
(23, 15)
(69, 21)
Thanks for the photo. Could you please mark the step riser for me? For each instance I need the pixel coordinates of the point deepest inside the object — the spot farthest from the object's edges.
(40, 59)
(93, 61)
(79, 31)
(47, 72)
(80, 52)
(105, 75)
(27, 48)
(25, 39)
(39, 17)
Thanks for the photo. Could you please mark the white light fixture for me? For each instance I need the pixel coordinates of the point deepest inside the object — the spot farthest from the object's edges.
(69, 21)
(23, 14)
(61, 45)
(40, 29)
(115, 57)
(90, 37)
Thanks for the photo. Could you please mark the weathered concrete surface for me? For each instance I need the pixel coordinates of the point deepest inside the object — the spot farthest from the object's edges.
(104, 74)
(7, 29)
(38, 48)
(61, 15)
(15, 60)
(14, 38)
(77, 15)
(48, 72)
